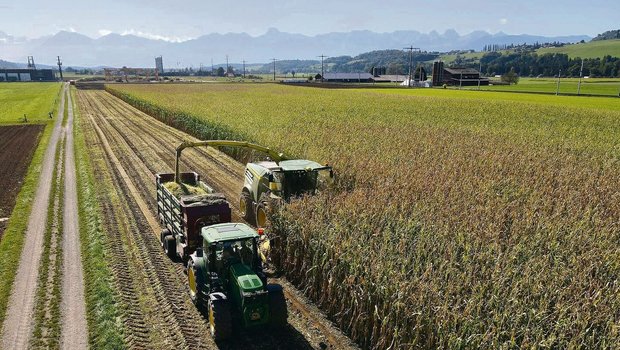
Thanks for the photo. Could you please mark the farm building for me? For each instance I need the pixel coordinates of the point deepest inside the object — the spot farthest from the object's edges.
(456, 76)
(346, 77)
(399, 78)
(27, 75)
(391, 78)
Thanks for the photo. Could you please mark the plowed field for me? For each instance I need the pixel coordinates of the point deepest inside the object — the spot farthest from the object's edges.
(17, 144)
(127, 148)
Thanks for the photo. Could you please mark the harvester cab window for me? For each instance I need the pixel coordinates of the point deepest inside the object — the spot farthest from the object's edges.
(298, 183)
(277, 179)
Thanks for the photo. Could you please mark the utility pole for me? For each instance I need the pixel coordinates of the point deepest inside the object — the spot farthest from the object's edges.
(243, 69)
(479, 74)
(31, 64)
(212, 66)
(557, 88)
(411, 48)
(322, 69)
(59, 67)
(227, 66)
(274, 68)
(580, 76)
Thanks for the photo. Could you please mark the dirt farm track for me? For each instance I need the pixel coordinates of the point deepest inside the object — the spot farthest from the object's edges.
(127, 148)
(17, 144)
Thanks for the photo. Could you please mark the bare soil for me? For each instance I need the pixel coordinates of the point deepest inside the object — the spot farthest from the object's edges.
(128, 147)
(17, 145)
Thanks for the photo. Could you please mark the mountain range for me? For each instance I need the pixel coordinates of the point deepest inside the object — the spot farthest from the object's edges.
(78, 50)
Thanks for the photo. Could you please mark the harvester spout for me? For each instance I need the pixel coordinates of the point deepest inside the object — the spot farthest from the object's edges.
(275, 156)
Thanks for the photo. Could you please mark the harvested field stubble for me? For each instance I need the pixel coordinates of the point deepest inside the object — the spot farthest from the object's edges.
(456, 223)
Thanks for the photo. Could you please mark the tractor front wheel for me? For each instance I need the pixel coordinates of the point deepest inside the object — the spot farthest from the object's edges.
(194, 286)
(220, 322)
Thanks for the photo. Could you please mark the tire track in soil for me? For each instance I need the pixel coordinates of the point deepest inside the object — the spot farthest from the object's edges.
(135, 137)
(216, 168)
(18, 325)
(171, 307)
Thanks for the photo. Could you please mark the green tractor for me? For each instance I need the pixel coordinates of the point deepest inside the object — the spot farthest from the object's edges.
(226, 277)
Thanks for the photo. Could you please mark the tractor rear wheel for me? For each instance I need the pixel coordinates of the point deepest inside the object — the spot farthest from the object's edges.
(277, 307)
(220, 322)
(170, 247)
(245, 206)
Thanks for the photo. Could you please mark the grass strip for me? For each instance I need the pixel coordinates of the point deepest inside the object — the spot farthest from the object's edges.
(65, 115)
(105, 328)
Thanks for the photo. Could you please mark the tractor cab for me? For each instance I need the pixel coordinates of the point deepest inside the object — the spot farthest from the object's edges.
(231, 253)
(226, 275)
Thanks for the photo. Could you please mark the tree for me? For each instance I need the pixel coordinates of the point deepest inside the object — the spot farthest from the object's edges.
(220, 72)
(511, 77)
(395, 69)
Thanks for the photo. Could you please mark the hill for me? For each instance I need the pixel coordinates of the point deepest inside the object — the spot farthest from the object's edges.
(592, 49)
(130, 50)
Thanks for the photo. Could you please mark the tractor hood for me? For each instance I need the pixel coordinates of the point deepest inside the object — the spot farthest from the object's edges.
(246, 279)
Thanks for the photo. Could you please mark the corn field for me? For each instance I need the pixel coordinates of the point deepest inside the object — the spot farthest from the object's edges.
(458, 220)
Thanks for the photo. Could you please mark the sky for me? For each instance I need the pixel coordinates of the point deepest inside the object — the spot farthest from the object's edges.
(186, 19)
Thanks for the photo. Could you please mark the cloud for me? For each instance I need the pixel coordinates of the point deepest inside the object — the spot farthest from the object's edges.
(174, 39)
(503, 21)
(104, 32)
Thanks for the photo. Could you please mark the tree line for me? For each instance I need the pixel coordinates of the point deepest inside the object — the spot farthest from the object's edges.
(532, 64)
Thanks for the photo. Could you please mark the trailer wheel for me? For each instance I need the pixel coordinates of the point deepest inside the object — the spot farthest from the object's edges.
(170, 247)
(162, 237)
(220, 322)
(245, 206)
